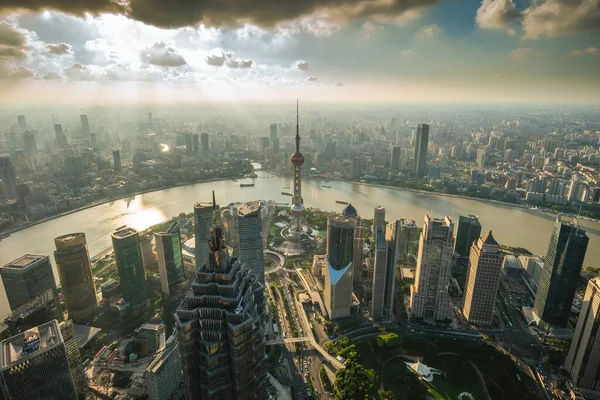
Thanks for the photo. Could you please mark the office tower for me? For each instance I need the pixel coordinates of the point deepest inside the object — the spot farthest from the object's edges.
(130, 266)
(196, 143)
(251, 243)
(263, 144)
(338, 276)
(202, 224)
(8, 177)
(357, 251)
(356, 168)
(85, 125)
(148, 259)
(204, 142)
(384, 278)
(42, 309)
(170, 258)
(220, 328)
(583, 360)
(408, 242)
(29, 145)
(189, 143)
(378, 220)
(469, 230)
(297, 209)
(273, 131)
(275, 145)
(75, 271)
(61, 138)
(163, 375)
(34, 365)
(93, 139)
(562, 266)
(429, 294)
(481, 284)
(67, 329)
(22, 123)
(395, 158)
(116, 160)
(26, 278)
(420, 157)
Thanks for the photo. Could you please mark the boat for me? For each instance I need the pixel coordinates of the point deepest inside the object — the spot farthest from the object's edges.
(421, 194)
(341, 202)
(286, 194)
(326, 186)
(246, 184)
(285, 187)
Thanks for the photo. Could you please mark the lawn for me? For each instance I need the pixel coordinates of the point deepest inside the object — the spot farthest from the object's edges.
(459, 376)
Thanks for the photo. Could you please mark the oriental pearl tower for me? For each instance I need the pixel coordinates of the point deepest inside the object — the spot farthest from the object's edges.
(297, 209)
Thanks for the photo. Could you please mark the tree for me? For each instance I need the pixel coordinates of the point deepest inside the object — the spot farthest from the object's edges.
(354, 382)
(388, 340)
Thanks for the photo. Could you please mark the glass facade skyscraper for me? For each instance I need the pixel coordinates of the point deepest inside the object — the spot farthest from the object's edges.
(339, 273)
(251, 243)
(468, 232)
(562, 266)
(128, 256)
(26, 278)
(202, 222)
(420, 157)
(170, 258)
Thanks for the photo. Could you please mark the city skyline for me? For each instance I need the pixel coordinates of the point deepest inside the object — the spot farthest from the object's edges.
(432, 51)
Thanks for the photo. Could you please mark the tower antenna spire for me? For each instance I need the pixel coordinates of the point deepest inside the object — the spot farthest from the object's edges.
(297, 128)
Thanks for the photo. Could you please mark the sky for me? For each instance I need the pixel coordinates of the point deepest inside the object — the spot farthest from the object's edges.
(405, 51)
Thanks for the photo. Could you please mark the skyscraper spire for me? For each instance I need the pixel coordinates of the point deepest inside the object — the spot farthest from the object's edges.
(297, 129)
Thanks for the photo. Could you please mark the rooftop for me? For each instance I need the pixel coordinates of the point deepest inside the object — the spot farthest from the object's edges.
(249, 208)
(66, 239)
(29, 343)
(203, 206)
(25, 261)
(124, 232)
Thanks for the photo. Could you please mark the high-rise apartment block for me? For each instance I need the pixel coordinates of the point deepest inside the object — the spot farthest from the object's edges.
(384, 278)
(130, 266)
(481, 284)
(338, 275)
(75, 271)
(429, 297)
(420, 157)
(251, 243)
(34, 365)
(202, 223)
(170, 258)
(583, 360)
(26, 278)
(8, 178)
(468, 232)
(562, 266)
(221, 329)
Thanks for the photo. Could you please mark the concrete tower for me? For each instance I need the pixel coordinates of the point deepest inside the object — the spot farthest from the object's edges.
(297, 159)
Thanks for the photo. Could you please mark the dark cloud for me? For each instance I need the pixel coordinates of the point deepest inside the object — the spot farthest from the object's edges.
(311, 79)
(302, 65)
(178, 13)
(227, 58)
(12, 53)
(162, 55)
(338, 84)
(11, 36)
(22, 73)
(553, 18)
(59, 49)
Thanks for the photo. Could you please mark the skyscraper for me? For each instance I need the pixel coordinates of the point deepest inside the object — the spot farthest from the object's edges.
(61, 138)
(562, 266)
(85, 125)
(67, 329)
(357, 251)
(189, 143)
(29, 144)
(297, 209)
(75, 271)
(338, 275)
(196, 143)
(251, 243)
(26, 278)
(583, 360)
(44, 308)
(395, 158)
(220, 329)
(204, 142)
(273, 131)
(8, 178)
(378, 220)
(130, 266)
(170, 258)
(164, 376)
(202, 223)
(116, 160)
(429, 294)
(420, 157)
(469, 230)
(34, 365)
(384, 278)
(22, 123)
(481, 284)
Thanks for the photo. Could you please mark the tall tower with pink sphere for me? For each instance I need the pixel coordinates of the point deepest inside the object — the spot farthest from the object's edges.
(297, 209)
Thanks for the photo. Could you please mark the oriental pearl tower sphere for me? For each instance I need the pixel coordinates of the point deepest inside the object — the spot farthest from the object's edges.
(297, 209)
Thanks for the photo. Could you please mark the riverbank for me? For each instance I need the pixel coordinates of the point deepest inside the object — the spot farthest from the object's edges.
(101, 202)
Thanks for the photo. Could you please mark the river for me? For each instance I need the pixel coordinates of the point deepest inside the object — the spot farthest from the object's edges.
(511, 225)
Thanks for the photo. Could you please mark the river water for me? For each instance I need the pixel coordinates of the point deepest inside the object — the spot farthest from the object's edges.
(511, 225)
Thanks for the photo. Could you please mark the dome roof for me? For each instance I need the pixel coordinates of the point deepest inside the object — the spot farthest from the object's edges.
(297, 158)
(350, 211)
